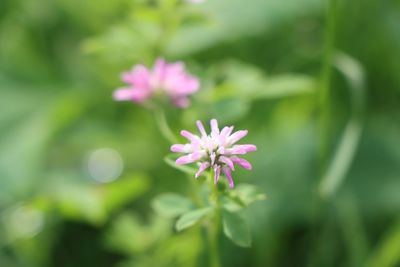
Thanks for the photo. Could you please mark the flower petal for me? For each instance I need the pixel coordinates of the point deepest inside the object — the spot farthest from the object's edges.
(226, 131)
(214, 127)
(200, 126)
(139, 76)
(227, 161)
(212, 157)
(217, 173)
(187, 148)
(228, 174)
(159, 71)
(131, 94)
(190, 158)
(240, 149)
(123, 94)
(241, 162)
(202, 168)
(188, 135)
(237, 136)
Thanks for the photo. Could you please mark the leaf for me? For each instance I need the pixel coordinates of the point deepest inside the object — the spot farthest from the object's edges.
(128, 235)
(231, 204)
(284, 85)
(241, 197)
(122, 191)
(236, 228)
(387, 253)
(246, 83)
(171, 205)
(248, 194)
(191, 218)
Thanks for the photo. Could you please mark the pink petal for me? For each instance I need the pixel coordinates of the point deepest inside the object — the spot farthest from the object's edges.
(212, 157)
(214, 127)
(188, 158)
(175, 69)
(227, 161)
(200, 126)
(228, 174)
(221, 150)
(226, 131)
(123, 94)
(241, 149)
(139, 77)
(182, 85)
(159, 71)
(202, 168)
(181, 148)
(237, 136)
(132, 94)
(188, 135)
(241, 162)
(217, 173)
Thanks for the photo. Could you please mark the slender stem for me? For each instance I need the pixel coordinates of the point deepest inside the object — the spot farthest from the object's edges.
(324, 120)
(213, 231)
(163, 125)
(325, 92)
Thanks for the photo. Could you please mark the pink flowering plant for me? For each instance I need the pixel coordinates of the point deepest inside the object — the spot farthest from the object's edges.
(208, 154)
(214, 203)
(211, 155)
(164, 80)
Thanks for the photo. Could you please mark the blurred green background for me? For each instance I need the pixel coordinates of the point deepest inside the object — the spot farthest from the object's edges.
(316, 83)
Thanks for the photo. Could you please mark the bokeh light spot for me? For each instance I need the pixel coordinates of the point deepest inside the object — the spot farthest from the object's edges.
(105, 165)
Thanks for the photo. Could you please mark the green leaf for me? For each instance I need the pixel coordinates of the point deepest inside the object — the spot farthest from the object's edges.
(245, 83)
(232, 204)
(128, 235)
(236, 228)
(241, 197)
(171, 205)
(191, 218)
(285, 85)
(248, 194)
(122, 191)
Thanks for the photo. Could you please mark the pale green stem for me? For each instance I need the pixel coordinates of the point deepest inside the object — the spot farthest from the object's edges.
(163, 125)
(349, 142)
(213, 230)
(325, 90)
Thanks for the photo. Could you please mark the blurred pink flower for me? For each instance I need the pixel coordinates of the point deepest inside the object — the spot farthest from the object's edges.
(165, 79)
(217, 150)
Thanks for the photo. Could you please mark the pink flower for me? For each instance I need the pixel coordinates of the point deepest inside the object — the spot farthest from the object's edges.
(217, 150)
(165, 79)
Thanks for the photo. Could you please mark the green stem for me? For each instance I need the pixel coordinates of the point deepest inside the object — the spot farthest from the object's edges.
(348, 144)
(163, 125)
(213, 231)
(325, 92)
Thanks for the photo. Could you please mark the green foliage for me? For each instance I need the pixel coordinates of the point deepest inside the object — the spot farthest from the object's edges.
(172, 205)
(259, 62)
(190, 218)
(236, 228)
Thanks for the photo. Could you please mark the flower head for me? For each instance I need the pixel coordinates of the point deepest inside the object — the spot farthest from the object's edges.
(165, 79)
(216, 150)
